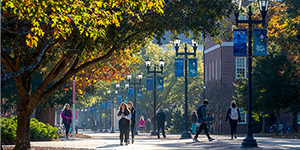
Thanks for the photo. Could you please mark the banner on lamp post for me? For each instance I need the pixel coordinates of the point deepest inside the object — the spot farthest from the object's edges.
(193, 67)
(139, 92)
(130, 92)
(109, 103)
(103, 105)
(119, 99)
(126, 99)
(160, 83)
(239, 42)
(179, 67)
(149, 83)
(260, 42)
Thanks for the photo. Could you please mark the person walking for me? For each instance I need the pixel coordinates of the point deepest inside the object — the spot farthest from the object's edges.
(148, 125)
(142, 124)
(193, 120)
(161, 118)
(124, 117)
(95, 125)
(233, 113)
(133, 121)
(201, 112)
(66, 114)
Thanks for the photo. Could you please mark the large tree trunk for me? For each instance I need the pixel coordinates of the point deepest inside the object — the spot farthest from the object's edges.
(45, 114)
(265, 124)
(23, 129)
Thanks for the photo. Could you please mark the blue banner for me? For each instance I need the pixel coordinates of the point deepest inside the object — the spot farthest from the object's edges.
(109, 103)
(130, 92)
(126, 99)
(139, 92)
(239, 42)
(260, 42)
(92, 110)
(119, 99)
(149, 83)
(160, 83)
(179, 67)
(103, 105)
(193, 67)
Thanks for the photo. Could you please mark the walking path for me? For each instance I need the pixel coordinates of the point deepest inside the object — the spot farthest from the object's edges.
(110, 141)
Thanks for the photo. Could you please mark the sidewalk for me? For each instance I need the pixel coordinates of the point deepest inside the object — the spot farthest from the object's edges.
(110, 141)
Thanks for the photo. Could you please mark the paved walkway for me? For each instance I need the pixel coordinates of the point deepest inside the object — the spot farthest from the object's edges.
(110, 141)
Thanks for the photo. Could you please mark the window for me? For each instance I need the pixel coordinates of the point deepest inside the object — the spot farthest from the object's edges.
(243, 116)
(240, 67)
(216, 69)
(213, 69)
(298, 118)
(206, 73)
(209, 71)
(220, 68)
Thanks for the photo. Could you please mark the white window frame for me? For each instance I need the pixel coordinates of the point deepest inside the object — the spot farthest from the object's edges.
(206, 73)
(216, 69)
(298, 117)
(236, 67)
(244, 115)
(213, 69)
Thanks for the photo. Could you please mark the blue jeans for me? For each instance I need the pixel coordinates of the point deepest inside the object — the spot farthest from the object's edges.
(193, 128)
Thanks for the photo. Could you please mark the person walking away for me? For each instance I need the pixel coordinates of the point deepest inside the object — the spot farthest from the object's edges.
(142, 124)
(161, 118)
(148, 125)
(76, 126)
(67, 118)
(133, 121)
(95, 125)
(193, 120)
(233, 113)
(201, 112)
(124, 117)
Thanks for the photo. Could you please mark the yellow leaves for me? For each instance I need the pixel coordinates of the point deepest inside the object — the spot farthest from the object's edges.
(80, 91)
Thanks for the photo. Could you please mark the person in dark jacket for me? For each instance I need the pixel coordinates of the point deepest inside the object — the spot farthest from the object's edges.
(193, 120)
(66, 114)
(233, 113)
(148, 125)
(161, 118)
(133, 121)
(201, 112)
(124, 117)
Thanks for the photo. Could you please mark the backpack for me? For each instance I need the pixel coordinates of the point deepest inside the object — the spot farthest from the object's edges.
(199, 112)
(234, 113)
(160, 118)
(194, 118)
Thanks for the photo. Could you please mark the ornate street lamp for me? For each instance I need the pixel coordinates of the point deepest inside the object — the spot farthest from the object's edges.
(185, 134)
(148, 65)
(249, 141)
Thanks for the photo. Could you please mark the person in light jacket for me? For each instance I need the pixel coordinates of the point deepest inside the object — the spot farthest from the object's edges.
(124, 117)
(67, 118)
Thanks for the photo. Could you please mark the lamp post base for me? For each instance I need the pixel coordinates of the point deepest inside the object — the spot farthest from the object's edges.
(185, 135)
(249, 143)
(153, 133)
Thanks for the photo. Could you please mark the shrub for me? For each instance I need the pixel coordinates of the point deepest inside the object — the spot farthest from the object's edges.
(38, 130)
(177, 119)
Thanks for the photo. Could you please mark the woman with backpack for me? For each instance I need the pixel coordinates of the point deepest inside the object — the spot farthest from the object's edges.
(233, 113)
(193, 120)
(124, 117)
(66, 114)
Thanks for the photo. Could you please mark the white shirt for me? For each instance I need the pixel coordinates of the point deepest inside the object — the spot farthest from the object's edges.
(128, 117)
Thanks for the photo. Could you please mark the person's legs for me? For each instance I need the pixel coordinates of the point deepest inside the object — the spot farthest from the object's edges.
(199, 131)
(158, 128)
(234, 122)
(122, 132)
(206, 130)
(163, 130)
(67, 129)
(132, 131)
(127, 133)
(231, 128)
(193, 128)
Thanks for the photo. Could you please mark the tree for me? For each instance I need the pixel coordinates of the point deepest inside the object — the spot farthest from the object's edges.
(64, 38)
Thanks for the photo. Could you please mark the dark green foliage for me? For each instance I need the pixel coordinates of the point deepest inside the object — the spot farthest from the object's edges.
(177, 121)
(38, 130)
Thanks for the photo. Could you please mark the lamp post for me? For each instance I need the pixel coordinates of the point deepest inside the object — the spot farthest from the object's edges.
(185, 134)
(204, 87)
(107, 94)
(148, 64)
(249, 141)
(121, 90)
(134, 83)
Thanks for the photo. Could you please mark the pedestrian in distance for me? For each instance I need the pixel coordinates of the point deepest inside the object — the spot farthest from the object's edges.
(201, 112)
(66, 114)
(193, 120)
(124, 117)
(161, 118)
(95, 125)
(142, 124)
(133, 121)
(148, 125)
(233, 113)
